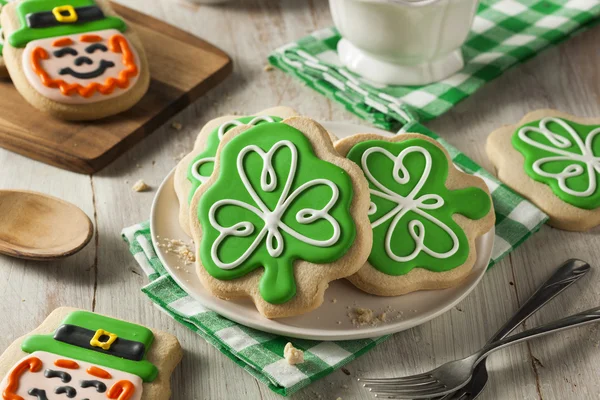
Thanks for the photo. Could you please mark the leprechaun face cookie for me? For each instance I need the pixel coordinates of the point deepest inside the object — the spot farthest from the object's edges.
(282, 216)
(197, 166)
(553, 159)
(73, 59)
(83, 355)
(425, 214)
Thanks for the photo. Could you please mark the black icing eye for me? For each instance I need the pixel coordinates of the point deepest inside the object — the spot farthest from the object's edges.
(64, 51)
(96, 46)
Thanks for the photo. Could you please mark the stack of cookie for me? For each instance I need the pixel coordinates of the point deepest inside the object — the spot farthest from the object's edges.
(75, 60)
(278, 208)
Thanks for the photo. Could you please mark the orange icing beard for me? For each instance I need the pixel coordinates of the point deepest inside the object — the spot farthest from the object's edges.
(116, 44)
(32, 364)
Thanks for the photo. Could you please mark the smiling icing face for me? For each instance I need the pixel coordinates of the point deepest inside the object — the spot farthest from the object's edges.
(45, 376)
(82, 68)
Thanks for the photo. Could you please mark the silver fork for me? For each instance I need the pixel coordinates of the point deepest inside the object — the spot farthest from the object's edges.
(564, 276)
(456, 374)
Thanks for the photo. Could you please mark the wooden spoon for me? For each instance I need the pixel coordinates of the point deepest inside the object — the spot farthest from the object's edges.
(36, 226)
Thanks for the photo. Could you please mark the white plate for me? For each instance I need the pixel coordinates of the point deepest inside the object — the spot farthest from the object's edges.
(330, 321)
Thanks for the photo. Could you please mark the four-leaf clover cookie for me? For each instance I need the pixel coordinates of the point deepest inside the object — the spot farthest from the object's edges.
(197, 166)
(281, 216)
(425, 214)
(553, 159)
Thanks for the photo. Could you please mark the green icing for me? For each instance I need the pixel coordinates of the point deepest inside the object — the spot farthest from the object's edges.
(565, 156)
(126, 330)
(24, 35)
(209, 152)
(307, 210)
(411, 208)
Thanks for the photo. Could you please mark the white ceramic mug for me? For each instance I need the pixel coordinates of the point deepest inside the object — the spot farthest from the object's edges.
(403, 42)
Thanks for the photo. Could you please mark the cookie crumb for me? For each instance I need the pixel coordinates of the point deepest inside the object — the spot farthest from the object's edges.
(141, 186)
(293, 355)
(179, 248)
(334, 300)
(177, 125)
(268, 68)
(360, 316)
(363, 315)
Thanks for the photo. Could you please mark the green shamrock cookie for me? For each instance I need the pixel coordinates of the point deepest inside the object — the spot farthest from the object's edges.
(412, 210)
(564, 155)
(274, 202)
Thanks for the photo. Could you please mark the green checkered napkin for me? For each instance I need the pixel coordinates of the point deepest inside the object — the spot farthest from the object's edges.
(260, 353)
(504, 33)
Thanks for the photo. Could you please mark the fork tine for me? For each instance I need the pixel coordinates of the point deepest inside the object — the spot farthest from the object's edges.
(410, 386)
(423, 386)
(406, 379)
(411, 394)
(424, 381)
(424, 389)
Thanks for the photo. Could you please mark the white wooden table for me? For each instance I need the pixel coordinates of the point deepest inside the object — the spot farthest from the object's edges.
(104, 277)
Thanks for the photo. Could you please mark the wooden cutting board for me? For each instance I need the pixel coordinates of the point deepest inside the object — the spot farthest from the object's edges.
(183, 68)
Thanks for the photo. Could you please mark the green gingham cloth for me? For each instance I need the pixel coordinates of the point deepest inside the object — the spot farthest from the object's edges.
(260, 353)
(504, 33)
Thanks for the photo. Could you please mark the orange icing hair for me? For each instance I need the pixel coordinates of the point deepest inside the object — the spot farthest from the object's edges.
(62, 42)
(68, 364)
(90, 38)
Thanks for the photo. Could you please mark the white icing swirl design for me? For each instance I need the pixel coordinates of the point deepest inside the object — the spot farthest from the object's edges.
(412, 202)
(587, 157)
(222, 130)
(272, 218)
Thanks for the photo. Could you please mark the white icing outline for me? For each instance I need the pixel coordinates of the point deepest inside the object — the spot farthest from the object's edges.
(411, 202)
(272, 219)
(587, 155)
(222, 130)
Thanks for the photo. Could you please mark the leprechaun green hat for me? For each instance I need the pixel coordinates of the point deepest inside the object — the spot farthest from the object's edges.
(42, 19)
(99, 340)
